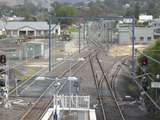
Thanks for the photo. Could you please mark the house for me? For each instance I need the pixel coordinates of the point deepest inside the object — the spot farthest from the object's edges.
(145, 18)
(30, 29)
(142, 35)
(156, 26)
(2, 28)
(14, 18)
(126, 21)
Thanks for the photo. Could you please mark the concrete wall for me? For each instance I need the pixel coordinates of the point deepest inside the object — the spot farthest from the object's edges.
(142, 35)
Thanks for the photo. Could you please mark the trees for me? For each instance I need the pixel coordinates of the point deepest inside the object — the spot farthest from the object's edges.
(27, 10)
(62, 10)
(137, 10)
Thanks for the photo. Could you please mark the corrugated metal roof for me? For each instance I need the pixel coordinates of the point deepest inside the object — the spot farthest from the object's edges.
(34, 25)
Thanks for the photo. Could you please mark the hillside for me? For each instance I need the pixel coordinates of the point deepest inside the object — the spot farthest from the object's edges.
(102, 7)
(15, 2)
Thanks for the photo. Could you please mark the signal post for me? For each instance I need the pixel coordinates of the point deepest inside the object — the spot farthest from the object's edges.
(4, 72)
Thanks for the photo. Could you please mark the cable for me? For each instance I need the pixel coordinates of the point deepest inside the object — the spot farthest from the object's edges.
(151, 99)
(151, 58)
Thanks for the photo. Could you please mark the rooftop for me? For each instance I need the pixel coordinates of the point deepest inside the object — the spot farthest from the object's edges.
(34, 25)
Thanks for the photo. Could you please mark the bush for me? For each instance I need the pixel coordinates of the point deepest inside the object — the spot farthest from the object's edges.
(2, 36)
(152, 68)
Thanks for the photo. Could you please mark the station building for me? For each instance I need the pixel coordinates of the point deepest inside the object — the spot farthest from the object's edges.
(29, 29)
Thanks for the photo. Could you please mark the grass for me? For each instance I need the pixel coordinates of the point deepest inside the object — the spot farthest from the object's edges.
(72, 30)
(133, 90)
(30, 72)
(155, 117)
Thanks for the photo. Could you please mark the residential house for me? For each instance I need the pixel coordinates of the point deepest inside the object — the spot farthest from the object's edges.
(2, 28)
(145, 18)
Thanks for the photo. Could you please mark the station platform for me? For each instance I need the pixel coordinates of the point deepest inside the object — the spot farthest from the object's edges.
(70, 108)
(70, 114)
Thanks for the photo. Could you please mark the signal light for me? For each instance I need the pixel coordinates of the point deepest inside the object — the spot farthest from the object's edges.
(3, 59)
(144, 61)
(2, 83)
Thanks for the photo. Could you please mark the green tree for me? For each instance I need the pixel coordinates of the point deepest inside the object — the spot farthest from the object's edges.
(27, 10)
(63, 10)
(137, 10)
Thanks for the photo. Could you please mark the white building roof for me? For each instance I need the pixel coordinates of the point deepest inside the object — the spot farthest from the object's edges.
(34, 25)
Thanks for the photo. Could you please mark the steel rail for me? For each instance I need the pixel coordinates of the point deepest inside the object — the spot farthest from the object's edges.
(64, 73)
(38, 100)
(110, 89)
(97, 89)
(29, 111)
(43, 71)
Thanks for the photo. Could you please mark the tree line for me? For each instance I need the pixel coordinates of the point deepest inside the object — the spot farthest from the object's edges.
(32, 12)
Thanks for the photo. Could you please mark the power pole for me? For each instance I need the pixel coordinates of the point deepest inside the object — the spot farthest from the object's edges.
(79, 41)
(50, 45)
(133, 49)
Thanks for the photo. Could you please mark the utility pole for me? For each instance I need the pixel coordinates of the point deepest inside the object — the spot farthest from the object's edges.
(50, 45)
(133, 49)
(79, 41)
(84, 32)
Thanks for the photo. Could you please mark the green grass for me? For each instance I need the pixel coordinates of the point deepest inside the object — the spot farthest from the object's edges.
(72, 29)
(30, 72)
(132, 90)
(155, 117)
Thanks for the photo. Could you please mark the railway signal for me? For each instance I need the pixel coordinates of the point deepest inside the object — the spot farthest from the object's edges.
(3, 59)
(144, 61)
(4, 79)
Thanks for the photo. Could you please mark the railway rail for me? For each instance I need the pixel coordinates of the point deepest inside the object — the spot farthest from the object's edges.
(110, 108)
(37, 110)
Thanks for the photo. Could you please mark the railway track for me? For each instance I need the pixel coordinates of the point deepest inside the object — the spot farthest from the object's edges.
(41, 72)
(110, 109)
(112, 75)
(37, 110)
